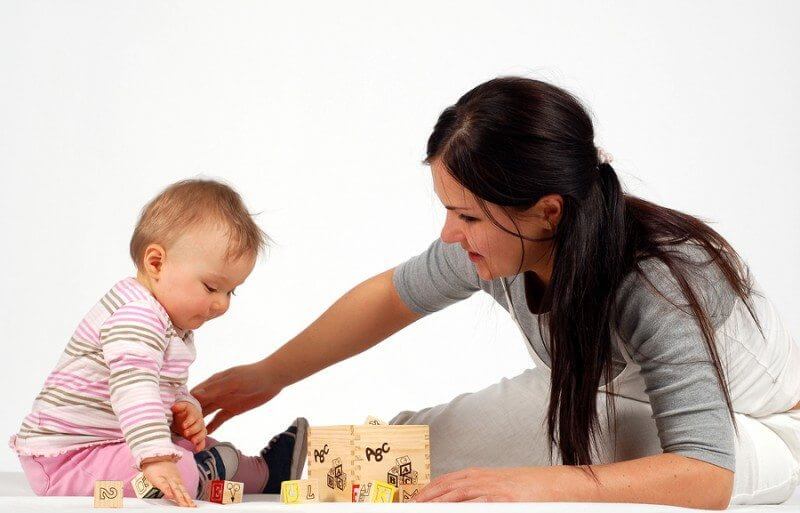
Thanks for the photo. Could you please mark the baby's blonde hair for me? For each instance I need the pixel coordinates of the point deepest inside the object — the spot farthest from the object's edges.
(196, 202)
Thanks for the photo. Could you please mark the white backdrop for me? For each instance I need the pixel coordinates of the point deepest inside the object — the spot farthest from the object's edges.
(318, 114)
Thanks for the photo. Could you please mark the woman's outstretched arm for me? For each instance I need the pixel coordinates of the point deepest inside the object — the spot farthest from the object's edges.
(358, 320)
(667, 478)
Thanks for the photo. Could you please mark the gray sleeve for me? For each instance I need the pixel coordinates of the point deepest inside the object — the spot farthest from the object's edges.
(438, 277)
(665, 340)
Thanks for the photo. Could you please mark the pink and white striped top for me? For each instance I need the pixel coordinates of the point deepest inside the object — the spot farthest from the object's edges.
(121, 372)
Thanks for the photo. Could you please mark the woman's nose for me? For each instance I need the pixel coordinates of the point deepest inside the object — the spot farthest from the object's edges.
(450, 231)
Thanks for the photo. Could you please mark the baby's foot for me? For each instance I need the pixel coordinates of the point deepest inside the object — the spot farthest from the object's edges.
(218, 462)
(285, 455)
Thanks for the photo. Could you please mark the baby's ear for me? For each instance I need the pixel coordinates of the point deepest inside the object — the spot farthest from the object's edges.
(154, 260)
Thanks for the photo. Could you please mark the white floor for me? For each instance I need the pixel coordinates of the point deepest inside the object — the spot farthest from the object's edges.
(16, 496)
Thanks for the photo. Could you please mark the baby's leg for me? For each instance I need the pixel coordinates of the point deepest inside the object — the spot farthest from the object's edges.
(251, 470)
(75, 472)
(281, 460)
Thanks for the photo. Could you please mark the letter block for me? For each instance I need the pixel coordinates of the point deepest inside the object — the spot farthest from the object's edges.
(144, 489)
(108, 494)
(226, 492)
(300, 491)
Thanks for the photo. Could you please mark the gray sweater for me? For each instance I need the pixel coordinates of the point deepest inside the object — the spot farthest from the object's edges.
(688, 404)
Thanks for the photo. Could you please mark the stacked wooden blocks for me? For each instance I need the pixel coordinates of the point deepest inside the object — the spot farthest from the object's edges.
(343, 457)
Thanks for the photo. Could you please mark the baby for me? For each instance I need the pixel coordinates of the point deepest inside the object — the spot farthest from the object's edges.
(117, 401)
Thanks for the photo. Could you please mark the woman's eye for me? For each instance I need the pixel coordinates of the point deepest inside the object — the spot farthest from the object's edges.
(210, 289)
(467, 219)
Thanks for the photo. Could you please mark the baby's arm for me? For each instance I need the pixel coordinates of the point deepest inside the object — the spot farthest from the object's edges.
(184, 395)
(133, 341)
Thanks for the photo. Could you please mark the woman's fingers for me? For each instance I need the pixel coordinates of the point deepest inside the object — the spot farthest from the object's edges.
(220, 418)
(209, 390)
(441, 486)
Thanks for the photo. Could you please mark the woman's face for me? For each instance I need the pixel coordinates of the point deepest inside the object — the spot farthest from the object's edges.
(494, 252)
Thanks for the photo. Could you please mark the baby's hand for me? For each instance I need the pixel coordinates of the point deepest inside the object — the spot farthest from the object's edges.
(188, 422)
(164, 475)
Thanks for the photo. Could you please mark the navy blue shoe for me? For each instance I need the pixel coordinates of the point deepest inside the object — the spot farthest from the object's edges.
(285, 455)
(218, 462)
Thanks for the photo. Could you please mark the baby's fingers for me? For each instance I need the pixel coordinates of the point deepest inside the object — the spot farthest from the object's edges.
(175, 492)
(163, 484)
(193, 429)
(199, 442)
(183, 495)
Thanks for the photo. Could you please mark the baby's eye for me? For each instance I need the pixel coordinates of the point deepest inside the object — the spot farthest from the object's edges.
(467, 219)
(232, 293)
(210, 289)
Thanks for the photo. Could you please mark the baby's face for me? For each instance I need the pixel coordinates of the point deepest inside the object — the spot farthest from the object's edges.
(196, 282)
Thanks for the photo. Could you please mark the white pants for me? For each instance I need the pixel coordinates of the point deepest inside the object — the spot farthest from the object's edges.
(505, 425)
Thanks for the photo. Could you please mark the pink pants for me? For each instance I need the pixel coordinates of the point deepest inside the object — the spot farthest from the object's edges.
(75, 472)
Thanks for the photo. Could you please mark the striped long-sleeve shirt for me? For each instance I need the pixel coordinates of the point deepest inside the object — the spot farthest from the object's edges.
(121, 372)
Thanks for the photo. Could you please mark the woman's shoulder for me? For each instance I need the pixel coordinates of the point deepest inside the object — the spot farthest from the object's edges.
(656, 287)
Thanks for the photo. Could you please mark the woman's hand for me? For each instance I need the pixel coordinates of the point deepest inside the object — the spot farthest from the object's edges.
(234, 391)
(487, 485)
(188, 423)
(163, 474)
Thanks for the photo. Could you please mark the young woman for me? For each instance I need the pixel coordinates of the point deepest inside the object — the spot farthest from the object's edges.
(662, 374)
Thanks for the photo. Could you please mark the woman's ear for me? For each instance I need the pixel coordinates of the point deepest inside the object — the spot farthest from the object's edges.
(154, 257)
(549, 209)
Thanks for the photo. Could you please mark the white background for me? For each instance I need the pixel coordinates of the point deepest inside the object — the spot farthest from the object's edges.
(318, 114)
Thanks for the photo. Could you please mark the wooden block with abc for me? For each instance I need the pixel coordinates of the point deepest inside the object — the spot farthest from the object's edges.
(407, 492)
(144, 489)
(376, 491)
(374, 421)
(300, 491)
(330, 462)
(340, 456)
(225, 492)
(108, 494)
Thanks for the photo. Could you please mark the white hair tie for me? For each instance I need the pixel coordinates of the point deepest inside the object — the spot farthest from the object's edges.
(604, 157)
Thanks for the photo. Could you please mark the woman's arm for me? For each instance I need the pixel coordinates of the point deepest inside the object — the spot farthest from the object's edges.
(361, 318)
(666, 478)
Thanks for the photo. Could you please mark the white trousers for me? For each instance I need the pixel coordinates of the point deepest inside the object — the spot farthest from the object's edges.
(504, 425)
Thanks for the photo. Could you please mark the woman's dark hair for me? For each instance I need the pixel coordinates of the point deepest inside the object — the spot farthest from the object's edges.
(511, 141)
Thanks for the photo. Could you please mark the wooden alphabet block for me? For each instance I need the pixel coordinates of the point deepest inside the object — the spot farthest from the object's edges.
(300, 491)
(108, 494)
(407, 492)
(363, 492)
(143, 488)
(376, 491)
(330, 461)
(226, 492)
(393, 476)
(404, 462)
